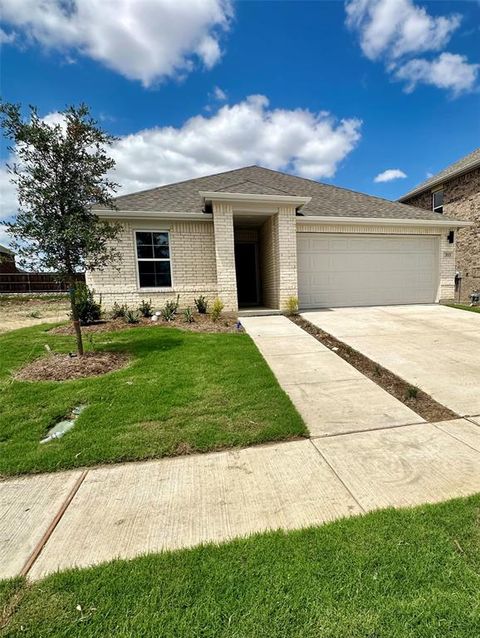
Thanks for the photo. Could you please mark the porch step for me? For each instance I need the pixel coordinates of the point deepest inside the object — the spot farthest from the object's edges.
(258, 312)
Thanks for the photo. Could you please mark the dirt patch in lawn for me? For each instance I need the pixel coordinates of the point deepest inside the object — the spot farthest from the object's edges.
(22, 312)
(62, 367)
(411, 396)
(201, 323)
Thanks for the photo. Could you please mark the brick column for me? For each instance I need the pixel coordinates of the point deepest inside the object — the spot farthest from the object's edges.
(225, 255)
(287, 255)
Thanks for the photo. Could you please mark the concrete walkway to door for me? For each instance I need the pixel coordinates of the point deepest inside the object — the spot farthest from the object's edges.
(433, 347)
(330, 394)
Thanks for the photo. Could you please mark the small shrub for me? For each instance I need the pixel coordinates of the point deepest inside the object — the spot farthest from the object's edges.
(169, 310)
(217, 308)
(201, 304)
(188, 315)
(34, 315)
(411, 392)
(88, 310)
(131, 316)
(292, 305)
(145, 308)
(118, 312)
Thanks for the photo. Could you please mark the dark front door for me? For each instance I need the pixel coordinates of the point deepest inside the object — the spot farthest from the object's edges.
(247, 274)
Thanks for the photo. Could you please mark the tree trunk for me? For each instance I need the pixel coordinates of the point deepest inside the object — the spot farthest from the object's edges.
(75, 319)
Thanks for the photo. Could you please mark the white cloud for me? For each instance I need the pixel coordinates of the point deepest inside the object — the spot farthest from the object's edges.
(389, 175)
(398, 27)
(144, 40)
(396, 30)
(447, 71)
(6, 38)
(219, 94)
(306, 143)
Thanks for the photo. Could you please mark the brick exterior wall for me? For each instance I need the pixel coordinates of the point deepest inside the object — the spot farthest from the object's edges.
(225, 255)
(446, 252)
(268, 262)
(461, 197)
(192, 250)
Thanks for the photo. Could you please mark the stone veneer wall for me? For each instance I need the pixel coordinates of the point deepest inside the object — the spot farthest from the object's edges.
(192, 250)
(461, 201)
(446, 253)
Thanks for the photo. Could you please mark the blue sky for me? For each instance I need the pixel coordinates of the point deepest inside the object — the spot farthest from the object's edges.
(349, 89)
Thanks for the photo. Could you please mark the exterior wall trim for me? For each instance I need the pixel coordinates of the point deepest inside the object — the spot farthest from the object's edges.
(438, 182)
(283, 200)
(152, 214)
(380, 221)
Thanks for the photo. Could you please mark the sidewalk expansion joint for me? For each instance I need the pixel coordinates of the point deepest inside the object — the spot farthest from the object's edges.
(335, 473)
(51, 528)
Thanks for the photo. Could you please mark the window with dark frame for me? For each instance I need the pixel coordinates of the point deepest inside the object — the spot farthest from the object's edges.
(153, 258)
(437, 202)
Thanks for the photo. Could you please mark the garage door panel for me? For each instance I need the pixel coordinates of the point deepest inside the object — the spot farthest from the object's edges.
(351, 270)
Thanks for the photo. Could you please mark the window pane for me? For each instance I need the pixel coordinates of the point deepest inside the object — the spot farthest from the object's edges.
(146, 270)
(163, 277)
(154, 274)
(145, 251)
(160, 239)
(437, 199)
(162, 252)
(144, 239)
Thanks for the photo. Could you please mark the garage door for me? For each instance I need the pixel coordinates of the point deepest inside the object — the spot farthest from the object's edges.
(366, 270)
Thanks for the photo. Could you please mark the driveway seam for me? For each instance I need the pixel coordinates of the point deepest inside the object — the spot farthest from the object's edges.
(379, 429)
(51, 528)
(456, 437)
(324, 458)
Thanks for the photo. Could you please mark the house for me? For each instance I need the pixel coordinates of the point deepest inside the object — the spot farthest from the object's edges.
(257, 237)
(455, 192)
(7, 260)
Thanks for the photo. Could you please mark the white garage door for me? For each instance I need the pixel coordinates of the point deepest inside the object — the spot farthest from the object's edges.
(366, 270)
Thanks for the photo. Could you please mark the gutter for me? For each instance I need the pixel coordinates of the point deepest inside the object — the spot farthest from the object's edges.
(381, 221)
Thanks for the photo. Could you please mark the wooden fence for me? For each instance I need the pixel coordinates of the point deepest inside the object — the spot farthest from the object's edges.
(33, 282)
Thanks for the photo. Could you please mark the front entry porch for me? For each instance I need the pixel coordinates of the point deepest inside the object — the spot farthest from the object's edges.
(255, 248)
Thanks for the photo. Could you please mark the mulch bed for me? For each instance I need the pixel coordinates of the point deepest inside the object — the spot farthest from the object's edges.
(62, 367)
(421, 403)
(201, 323)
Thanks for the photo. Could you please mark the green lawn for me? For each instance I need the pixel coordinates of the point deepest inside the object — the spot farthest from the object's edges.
(390, 574)
(462, 306)
(182, 392)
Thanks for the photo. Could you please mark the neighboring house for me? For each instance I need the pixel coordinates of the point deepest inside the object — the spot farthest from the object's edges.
(455, 192)
(7, 260)
(257, 237)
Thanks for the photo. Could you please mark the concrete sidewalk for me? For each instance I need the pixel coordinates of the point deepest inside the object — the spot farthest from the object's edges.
(332, 396)
(84, 518)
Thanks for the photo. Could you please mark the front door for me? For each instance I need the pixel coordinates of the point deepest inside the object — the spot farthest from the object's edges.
(246, 267)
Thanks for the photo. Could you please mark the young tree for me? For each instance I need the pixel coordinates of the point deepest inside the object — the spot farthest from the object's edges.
(60, 172)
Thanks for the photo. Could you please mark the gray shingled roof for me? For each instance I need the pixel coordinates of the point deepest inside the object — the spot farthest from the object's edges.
(467, 163)
(327, 200)
(5, 250)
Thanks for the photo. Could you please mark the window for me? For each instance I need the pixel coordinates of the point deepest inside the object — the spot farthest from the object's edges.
(153, 257)
(437, 201)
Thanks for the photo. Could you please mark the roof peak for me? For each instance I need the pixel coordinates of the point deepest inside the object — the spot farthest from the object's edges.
(463, 165)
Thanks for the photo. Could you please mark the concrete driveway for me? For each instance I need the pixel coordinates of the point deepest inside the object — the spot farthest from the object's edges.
(433, 347)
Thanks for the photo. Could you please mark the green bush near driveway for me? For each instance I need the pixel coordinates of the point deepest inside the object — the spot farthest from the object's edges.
(182, 392)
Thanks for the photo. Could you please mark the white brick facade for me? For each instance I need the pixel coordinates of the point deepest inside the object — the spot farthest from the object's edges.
(203, 257)
(192, 251)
